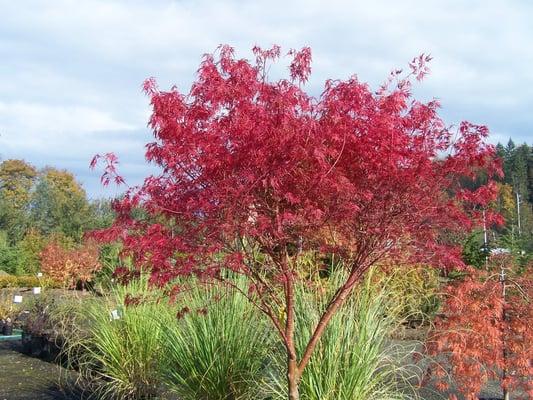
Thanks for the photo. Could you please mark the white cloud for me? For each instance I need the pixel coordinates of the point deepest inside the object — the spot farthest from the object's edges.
(71, 70)
(47, 119)
(46, 134)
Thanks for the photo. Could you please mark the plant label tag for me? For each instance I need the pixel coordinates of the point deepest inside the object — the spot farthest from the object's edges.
(39, 274)
(17, 299)
(115, 314)
(37, 290)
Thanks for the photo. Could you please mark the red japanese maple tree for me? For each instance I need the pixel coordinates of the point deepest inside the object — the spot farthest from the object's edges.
(254, 173)
(485, 333)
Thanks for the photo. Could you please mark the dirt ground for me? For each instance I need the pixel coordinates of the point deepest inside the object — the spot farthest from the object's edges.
(26, 378)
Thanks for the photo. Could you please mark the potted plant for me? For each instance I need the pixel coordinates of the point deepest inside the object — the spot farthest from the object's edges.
(6, 317)
(39, 330)
(7, 328)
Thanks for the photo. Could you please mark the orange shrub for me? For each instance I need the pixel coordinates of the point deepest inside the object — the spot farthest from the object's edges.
(70, 266)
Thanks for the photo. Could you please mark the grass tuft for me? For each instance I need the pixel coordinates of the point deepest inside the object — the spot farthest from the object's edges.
(219, 349)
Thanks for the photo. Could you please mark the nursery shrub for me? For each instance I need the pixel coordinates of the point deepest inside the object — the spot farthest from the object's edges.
(27, 281)
(412, 290)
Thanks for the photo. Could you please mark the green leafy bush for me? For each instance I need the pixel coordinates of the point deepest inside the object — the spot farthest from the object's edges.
(474, 252)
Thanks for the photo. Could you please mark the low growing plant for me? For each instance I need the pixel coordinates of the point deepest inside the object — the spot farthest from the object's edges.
(8, 313)
(48, 313)
(412, 291)
(7, 308)
(27, 281)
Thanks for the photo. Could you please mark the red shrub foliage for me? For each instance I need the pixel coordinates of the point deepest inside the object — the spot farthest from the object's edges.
(254, 173)
(70, 266)
(486, 335)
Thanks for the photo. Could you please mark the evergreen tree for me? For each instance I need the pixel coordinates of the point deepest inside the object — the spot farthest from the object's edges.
(519, 165)
(530, 174)
(518, 171)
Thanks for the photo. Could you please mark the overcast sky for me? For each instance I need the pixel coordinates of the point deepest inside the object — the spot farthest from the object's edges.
(71, 71)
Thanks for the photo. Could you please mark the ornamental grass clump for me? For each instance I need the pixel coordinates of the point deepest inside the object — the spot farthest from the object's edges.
(117, 347)
(412, 291)
(354, 358)
(220, 348)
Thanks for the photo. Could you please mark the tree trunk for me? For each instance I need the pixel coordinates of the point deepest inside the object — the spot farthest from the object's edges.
(293, 372)
(293, 379)
(504, 318)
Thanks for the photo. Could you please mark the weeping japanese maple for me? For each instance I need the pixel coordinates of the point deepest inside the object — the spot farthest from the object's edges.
(255, 173)
(485, 333)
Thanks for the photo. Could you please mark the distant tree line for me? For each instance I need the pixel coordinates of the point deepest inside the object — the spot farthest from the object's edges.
(515, 204)
(516, 192)
(38, 207)
(48, 205)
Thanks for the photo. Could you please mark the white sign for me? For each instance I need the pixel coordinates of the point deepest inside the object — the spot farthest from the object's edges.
(115, 314)
(17, 299)
(39, 274)
(36, 290)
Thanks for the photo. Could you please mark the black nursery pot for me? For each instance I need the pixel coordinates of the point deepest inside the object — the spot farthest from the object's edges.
(26, 342)
(7, 329)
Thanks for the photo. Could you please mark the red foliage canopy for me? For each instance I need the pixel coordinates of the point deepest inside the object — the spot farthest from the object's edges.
(254, 173)
(354, 171)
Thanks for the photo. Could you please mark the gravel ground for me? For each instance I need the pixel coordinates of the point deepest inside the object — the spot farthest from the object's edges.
(491, 391)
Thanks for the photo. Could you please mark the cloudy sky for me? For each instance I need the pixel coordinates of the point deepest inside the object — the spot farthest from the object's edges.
(71, 71)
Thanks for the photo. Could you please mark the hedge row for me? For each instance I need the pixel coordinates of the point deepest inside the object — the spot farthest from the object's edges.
(12, 281)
